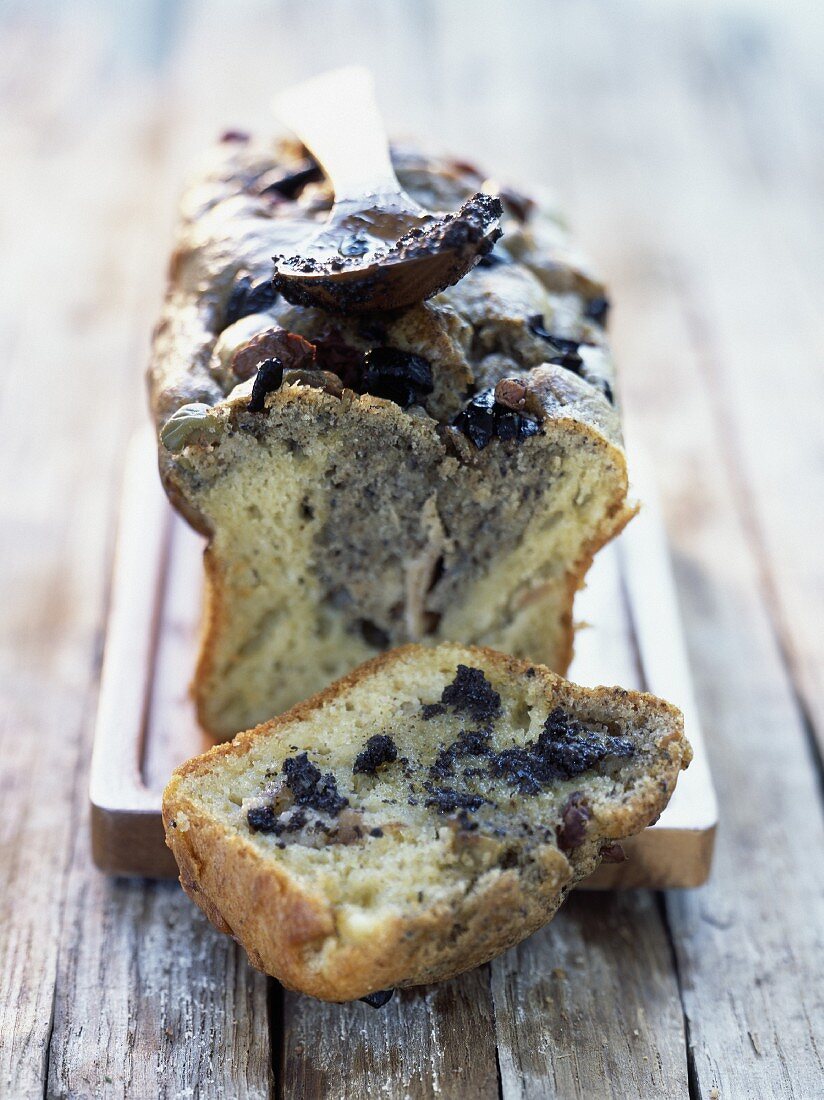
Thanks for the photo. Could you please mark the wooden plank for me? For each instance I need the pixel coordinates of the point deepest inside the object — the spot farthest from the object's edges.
(152, 1001)
(766, 347)
(434, 1042)
(748, 945)
(589, 1006)
(148, 1001)
(121, 806)
(56, 501)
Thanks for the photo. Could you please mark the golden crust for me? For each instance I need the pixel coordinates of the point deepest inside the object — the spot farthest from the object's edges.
(292, 933)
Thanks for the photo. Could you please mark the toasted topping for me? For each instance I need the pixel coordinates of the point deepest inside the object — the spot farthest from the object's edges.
(378, 750)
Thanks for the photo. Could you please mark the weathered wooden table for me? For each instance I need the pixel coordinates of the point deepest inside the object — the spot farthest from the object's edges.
(685, 140)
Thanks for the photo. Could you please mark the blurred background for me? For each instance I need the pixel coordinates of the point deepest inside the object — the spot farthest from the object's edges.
(684, 140)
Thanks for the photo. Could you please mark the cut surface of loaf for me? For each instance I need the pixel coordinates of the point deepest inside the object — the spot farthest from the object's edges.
(443, 472)
(417, 818)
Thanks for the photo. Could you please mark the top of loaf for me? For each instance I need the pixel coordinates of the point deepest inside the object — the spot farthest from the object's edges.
(531, 303)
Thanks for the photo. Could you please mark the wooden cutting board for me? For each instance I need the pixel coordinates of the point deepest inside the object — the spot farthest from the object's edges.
(146, 724)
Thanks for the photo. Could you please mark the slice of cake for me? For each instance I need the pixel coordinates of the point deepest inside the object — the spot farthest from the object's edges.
(416, 818)
(444, 472)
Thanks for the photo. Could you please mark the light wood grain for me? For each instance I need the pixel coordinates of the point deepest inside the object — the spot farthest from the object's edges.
(151, 1003)
(590, 1005)
(749, 945)
(438, 1042)
(55, 520)
(764, 345)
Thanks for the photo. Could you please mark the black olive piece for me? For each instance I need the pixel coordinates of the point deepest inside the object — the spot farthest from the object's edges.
(247, 298)
(471, 693)
(262, 819)
(597, 310)
(507, 425)
(527, 428)
(379, 999)
(566, 351)
(311, 788)
(396, 375)
(446, 800)
(372, 634)
(289, 184)
(268, 378)
(477, 419)
(380, 749)
(606, 389)
(430, 710)
(483, 418)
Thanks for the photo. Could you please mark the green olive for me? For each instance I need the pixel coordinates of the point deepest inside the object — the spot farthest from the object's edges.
(188, 422)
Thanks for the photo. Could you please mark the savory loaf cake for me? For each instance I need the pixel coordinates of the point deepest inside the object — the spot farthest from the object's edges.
(442, 472)
(418, 817)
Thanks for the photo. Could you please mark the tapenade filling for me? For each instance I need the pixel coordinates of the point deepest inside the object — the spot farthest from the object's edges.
(465, 782)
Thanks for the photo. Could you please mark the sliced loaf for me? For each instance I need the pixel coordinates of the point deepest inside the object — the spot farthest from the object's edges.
(416, 818)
